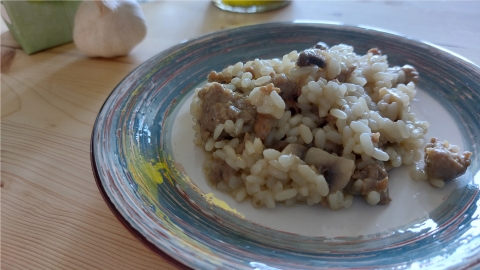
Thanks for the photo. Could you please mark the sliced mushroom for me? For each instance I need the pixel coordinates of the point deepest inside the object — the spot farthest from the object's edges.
(311, 57)
(321, 46)
(338, 169)
(295, 149)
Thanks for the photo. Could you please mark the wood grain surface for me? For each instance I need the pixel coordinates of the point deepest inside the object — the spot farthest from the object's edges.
(52, 214)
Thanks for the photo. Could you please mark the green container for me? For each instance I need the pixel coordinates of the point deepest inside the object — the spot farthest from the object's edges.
(39, 25)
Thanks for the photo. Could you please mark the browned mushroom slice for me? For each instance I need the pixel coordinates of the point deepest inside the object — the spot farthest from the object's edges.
(321, 46)
(338, 170)
(311, 57)
(295, 149)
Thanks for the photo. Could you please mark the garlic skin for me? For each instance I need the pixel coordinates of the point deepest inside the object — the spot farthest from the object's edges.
(108, 28)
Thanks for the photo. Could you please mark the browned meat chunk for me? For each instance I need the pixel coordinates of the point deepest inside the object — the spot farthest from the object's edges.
(311, 57)
(218, 77)
(220, 171)
(345, 74)
(263, 125)
(375, 51)
(442, 162)
(289, 89)
(411, 74)
(219, 105)
(374, 178)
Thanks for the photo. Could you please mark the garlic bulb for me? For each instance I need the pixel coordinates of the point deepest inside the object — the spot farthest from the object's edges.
(108, 28)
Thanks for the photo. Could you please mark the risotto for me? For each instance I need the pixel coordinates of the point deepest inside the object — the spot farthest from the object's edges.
(317, 126)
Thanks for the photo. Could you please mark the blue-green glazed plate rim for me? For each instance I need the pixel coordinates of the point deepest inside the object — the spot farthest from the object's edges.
(150, 193)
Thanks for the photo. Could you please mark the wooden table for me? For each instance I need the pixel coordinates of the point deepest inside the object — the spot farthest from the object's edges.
(53, 216)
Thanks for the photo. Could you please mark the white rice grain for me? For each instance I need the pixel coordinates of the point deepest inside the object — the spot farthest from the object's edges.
(253, 179)
(246, 82)
(230, 152)
(285, 117)
(297, 178)
(271, 154)
(360, 127)
(334, 137)
(262, 80)
(277, 173)
(231, 162)
(320, 139)
(277, 100)
(321, 185)
(269, 200)
(307, 173)
(246, 75)
(403, 129)
(238, 126)
(380, 155)
(418, 174)
(291, 139)
(286, 194)
(282, 131)
(366, 142)
(258, 145)
(218, 130)
(315, 88)
(234, 143)
(348, 147)
(309, 122)
(249, 147)
(338, 114)
(241, 163)
(305, 133)
(335, 200)
(293, 132)
(373, 198)
(241, 194)
(253, 189)
(220, 154)
(286, 160)
(348, 201)
(304, 191)
(276, 164)
(295, 120)
(256, 169)
(237, 68)
(220, 144)
(209, 145)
